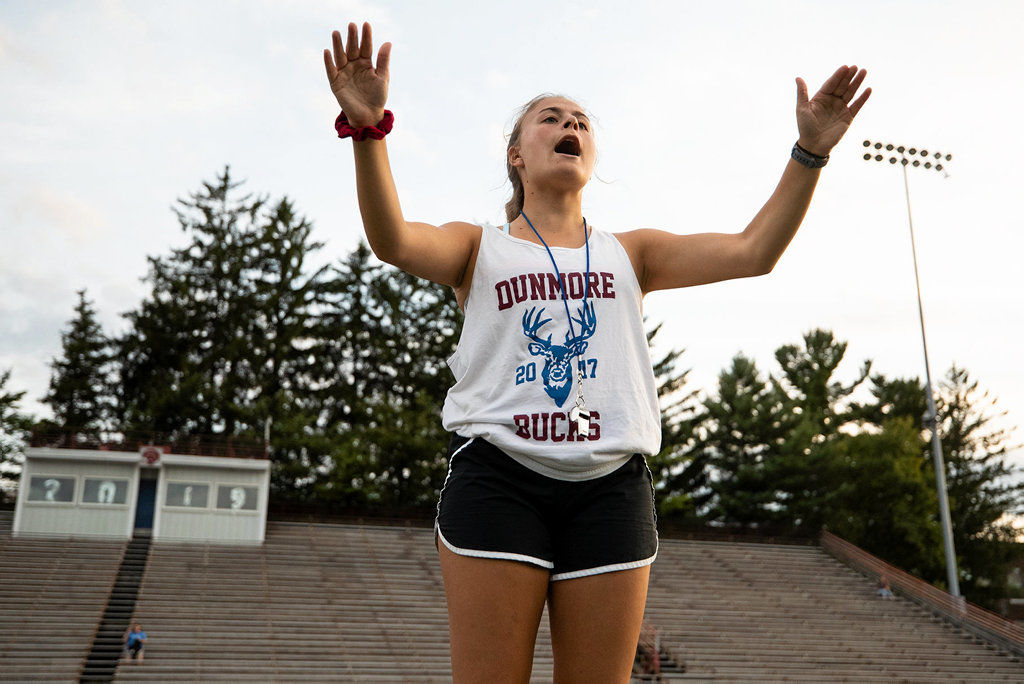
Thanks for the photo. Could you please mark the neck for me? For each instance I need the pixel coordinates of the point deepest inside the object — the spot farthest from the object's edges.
(555, 215)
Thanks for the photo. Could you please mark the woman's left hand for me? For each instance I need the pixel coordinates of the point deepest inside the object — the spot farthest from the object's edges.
(823, 120)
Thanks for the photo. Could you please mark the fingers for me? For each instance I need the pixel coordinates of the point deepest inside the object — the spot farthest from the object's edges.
(339, 51)
(855, 84)
(383, 59)
(332, 73)
(352, 45)
(366, 49)
(859, 102)
(801, 92)
(844, 82)
(830, 85)
(354, 48)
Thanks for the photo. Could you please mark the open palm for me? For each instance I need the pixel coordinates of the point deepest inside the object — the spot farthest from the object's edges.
(823, 120)
(361, 89)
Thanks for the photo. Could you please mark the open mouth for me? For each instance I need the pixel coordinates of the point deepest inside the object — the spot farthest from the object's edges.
(568, 145)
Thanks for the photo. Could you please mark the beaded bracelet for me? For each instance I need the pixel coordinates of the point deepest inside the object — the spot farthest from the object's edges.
(346, 130)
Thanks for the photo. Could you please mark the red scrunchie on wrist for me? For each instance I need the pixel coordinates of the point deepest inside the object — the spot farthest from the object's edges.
(373, 132)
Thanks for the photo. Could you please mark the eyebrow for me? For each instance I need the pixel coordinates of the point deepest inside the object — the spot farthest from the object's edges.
(560, 110)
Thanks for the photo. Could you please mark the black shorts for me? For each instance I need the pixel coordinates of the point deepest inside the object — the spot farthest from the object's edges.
(492, 506)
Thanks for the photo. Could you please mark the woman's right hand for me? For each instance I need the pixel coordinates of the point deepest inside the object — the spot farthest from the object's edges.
(361, 89)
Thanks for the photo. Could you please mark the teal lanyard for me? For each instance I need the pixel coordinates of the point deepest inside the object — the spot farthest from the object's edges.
(586, 287)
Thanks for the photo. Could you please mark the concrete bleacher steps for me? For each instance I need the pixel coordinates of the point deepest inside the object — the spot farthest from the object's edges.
(755, 611)
(366, 603)
(348, 602)
(52, 595)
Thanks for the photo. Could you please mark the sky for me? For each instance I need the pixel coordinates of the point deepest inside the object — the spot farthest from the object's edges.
(111, 110)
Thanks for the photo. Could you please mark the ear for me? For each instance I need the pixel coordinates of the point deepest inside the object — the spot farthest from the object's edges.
(515, 158)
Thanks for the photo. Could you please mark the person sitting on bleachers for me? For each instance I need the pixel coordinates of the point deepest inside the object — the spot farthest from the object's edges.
(134, 642)
(884, 590)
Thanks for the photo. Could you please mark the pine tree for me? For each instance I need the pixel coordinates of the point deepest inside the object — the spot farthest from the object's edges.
(891, 398)
(14, 428)
(804, 471)
(187, 356)
(80, 393)
(807, 378)
(386, 339)
(881, 498)
(979, 477)
(740, 431)
(223, 345)
(679, 469)
(983, 485)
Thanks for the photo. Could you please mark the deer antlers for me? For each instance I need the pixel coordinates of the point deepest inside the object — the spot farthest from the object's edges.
(532, 322)
(530, 327)
(588, 324)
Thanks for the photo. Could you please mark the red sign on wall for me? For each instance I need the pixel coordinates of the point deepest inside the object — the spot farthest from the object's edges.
(151, 454)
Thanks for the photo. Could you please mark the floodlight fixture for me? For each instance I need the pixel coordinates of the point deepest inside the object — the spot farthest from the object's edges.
(932, 416)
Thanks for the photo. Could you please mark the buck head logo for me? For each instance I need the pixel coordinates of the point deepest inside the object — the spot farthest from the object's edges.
(558, 358)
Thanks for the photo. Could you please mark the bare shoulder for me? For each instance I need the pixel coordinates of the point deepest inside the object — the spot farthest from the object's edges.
(463, 228)
(438, 253)
(635, 242)
(632, 239)
(461, 232)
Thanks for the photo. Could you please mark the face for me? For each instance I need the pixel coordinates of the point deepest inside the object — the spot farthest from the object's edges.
(556, 145)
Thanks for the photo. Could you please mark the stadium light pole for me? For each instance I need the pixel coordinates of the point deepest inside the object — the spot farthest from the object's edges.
(912, 156)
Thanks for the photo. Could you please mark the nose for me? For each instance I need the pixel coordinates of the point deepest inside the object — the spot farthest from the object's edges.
(571, 122)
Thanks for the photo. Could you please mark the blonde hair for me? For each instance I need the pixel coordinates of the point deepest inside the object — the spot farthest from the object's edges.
(514, 206)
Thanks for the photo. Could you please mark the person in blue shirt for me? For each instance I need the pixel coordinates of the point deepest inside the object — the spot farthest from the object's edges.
(135, 642)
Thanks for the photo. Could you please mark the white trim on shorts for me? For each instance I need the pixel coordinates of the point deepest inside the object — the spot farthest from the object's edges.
(619, 566)
(495, 554)
(604, 568)
(476, 553)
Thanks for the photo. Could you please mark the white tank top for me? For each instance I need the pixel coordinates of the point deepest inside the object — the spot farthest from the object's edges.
(516, 365)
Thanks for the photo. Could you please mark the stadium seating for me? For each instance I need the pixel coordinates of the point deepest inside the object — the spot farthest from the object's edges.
(52, 595)
(366, 603)
(316, 601)
(363, 603)
(736, 612)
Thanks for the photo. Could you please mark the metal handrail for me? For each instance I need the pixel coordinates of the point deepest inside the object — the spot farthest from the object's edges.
(955, 609)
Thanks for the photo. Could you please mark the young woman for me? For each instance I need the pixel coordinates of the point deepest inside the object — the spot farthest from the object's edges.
(548, 497)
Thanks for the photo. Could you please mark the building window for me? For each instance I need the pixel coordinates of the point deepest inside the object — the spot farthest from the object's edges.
(104, 491)
(187, 495)
(236, 498)
(51, 489)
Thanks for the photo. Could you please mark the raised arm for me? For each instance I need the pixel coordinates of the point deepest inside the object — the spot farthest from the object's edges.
(436, 253)
(665, 260)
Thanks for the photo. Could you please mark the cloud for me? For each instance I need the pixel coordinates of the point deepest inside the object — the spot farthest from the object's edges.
(125, 21)
(48, 207)
(15, 53)
(497, 79)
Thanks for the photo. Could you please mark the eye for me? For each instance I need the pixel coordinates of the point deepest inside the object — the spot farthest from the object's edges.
(583, 125)
(550, 118)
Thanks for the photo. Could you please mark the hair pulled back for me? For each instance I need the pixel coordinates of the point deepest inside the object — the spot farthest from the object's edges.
(514, 206)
